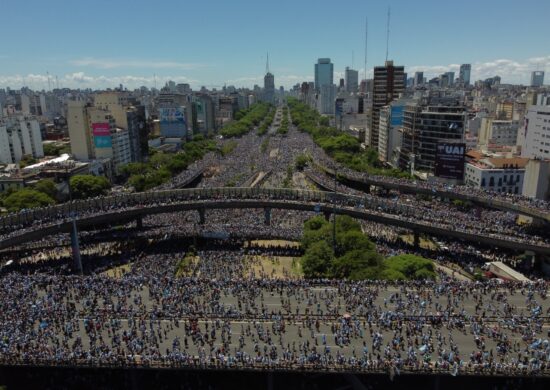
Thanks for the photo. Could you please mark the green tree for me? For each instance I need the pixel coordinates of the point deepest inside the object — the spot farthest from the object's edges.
(317, 261)
(411, 266)
(354, 240)
(86, 186)
(301, 162)
(352, 263)
(48, 187)
(51, 149)
(26, 198)
(134, 168)
(27, 160)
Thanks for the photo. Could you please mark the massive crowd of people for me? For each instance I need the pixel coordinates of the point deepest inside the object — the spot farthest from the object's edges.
(150, 300)
(219, 317)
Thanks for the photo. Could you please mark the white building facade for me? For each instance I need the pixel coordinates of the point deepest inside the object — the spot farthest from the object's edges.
(498, 132)
(19, 136)
(536, 133)
(485, 175)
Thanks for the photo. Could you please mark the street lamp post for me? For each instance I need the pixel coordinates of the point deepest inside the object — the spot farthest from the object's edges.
(77, 261)
(334, 215)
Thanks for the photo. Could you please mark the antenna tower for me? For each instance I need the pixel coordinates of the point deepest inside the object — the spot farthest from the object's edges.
(388, 33)
(267, 64)
(366, 42)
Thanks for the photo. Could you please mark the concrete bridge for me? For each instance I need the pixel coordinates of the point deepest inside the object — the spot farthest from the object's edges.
(110, 210)
(496, 202)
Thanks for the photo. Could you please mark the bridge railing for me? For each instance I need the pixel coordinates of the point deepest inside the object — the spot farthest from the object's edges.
(492, 200)
(87, 206)
(96, 206)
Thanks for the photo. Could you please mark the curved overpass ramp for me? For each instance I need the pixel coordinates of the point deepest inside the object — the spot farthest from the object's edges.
(495, 203)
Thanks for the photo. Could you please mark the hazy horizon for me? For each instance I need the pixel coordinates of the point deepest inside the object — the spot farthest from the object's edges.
(104, 44)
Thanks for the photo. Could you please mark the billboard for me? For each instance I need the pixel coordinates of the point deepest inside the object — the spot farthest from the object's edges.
(397, 115)
(172, 115)
(449, 160)
(102, 135)
(172, 122)
(101, 129)
(103, 142)
(339, 106)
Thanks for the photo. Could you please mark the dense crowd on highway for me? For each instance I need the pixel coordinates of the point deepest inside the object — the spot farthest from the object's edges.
(221, 318)
(224, 310)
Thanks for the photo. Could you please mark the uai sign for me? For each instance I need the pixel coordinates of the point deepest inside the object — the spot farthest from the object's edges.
(449, 160)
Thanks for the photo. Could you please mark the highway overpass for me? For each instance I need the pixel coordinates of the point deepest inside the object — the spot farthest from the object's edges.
(366, 181)
(116, 209)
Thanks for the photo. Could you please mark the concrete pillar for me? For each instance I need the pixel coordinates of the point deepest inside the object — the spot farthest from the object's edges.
(416, 238)
(270, 385)
(139, 222)
(202, 217)
(436, 382)
(77, 261)
(267, 215)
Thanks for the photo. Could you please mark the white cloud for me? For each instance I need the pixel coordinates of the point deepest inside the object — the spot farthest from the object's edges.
(83, 80)
(108, 63)
(510, 71)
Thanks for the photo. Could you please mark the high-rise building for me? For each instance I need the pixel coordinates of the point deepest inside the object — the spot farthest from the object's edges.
(390, 128)
(425, 123)
(444, 81)
(183, 88)
(464, 74)
(269, 88)
(498, 132)
(327, 96)
(324, 73)
(19, 136)
(79, 130)
(205, 112)
(94, 135)
(352, 80)
(536, 133)
(418, 78)
(537, 78)
(127, 117)
(536, 182)
(185, 118)
(389, 82)
(450, 77)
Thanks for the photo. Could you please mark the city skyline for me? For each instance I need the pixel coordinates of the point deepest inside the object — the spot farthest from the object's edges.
(135, 45)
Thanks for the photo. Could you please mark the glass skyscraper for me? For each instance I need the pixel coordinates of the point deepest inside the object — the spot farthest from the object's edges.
(324, 71)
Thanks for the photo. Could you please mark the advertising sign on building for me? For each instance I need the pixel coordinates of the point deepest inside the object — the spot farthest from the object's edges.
(449, 160)
(102, 135)
(171, 115)
(101, 129)
(397, 115)
(339, 106)
(172, 122)
(103, 142)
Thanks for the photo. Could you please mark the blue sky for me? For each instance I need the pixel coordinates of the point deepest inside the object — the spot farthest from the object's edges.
(102, 43)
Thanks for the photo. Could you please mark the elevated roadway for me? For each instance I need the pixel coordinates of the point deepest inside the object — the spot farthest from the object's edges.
(495, 202)
(116, 209)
